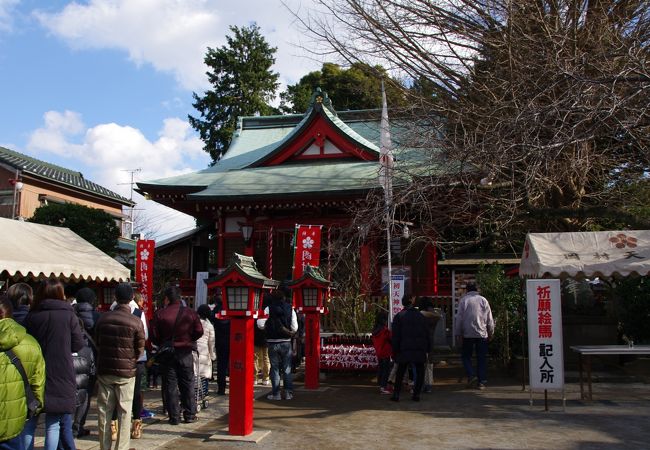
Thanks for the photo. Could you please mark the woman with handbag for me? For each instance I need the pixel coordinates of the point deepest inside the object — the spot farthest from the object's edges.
(15, 390)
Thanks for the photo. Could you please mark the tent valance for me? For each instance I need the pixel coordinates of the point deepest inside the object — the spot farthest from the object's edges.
(32, 250)
(586, 254)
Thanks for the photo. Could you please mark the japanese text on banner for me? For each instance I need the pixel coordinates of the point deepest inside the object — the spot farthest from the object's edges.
(306, 249)
(144, 273)
(397, 290)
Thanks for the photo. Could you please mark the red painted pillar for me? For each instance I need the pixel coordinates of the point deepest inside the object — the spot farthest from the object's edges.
(240, 421)
(221, 258)
(312, 350)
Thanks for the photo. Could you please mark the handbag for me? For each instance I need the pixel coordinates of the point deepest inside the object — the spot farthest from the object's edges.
(33, 405)
(166, 353)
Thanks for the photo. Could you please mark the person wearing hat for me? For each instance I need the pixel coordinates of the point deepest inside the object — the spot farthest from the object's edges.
(120, 337)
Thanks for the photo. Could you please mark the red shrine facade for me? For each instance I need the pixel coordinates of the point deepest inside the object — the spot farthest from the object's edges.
(308, 169)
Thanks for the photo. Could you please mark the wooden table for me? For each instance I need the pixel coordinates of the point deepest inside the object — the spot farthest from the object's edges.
(588, 350)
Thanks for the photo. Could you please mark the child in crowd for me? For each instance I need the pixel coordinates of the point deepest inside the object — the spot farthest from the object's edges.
(381, 339)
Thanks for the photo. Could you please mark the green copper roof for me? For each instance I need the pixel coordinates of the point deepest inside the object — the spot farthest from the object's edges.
(292, 179)
(246, 266)
(58, 174)
(310, 272)
(240, 173)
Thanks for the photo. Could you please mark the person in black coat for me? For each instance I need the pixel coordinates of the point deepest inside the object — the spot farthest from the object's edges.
(55, 326)
(411, 343)
(222, 344)
(85, 309)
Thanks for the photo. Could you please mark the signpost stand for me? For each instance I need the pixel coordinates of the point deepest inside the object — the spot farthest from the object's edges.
(545, 347)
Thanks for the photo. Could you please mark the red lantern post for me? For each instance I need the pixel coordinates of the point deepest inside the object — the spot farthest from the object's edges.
(241, 286)
(309, 292)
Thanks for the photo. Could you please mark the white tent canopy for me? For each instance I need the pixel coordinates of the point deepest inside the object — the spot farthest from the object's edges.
(32, 250)
(587, 254)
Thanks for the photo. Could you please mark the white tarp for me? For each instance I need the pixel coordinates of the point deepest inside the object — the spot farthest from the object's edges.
(586, 254)
(41, 251)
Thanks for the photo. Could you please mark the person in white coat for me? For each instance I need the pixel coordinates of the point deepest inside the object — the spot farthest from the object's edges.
(206, 352)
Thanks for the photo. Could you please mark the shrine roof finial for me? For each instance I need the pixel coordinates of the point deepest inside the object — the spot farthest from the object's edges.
(320, 98)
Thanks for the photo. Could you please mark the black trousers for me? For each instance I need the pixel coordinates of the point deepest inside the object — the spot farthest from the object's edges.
(223, 355)
(178, 377)
(419, 378)
(136, 409)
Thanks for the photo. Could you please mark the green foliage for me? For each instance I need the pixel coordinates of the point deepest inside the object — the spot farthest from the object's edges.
(242, 85)
(94, 225)
(508, 308)
(358, 87)
(632, 297)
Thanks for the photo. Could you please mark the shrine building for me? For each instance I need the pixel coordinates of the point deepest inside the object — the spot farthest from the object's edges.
(308, 169)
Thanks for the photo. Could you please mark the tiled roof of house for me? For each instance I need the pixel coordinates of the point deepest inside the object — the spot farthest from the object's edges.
(57, 174)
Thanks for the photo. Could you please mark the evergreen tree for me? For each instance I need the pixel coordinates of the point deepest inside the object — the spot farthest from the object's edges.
(242, 85)
(94, 225)
(357, 87)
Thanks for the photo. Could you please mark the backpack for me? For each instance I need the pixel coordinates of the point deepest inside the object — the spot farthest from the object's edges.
(275, 329)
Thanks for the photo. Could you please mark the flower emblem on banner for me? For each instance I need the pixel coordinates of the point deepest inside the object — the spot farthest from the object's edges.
(622, 241)
(144, 254)
(308, 242)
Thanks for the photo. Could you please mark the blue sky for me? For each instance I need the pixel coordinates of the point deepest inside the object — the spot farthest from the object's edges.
(102, 86)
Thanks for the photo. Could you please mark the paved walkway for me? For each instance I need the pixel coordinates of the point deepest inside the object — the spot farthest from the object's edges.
(348, 412)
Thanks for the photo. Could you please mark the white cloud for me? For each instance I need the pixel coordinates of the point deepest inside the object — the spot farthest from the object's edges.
(173, 35)
(108, 151)
(6, 14)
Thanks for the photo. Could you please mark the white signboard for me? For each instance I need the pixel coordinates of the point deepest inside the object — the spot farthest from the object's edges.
(397, 293)
(545, 351)
(201, 294)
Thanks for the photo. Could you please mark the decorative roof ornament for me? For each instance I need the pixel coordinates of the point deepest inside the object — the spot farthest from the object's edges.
(321, 98)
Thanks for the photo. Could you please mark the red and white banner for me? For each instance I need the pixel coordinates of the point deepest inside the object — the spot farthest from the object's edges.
(306, 249)
(144, 273)
(545, 348)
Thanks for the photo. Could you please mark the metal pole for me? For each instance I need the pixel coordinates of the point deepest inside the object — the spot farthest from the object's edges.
(13, 205)
(545, 400)
(390, 268)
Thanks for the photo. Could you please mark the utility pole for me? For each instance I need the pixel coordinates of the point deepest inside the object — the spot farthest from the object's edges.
(132, 183)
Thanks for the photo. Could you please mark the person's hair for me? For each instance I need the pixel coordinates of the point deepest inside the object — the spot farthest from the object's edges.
(123, 293)
(381, 320)
(138, 298)
(86, 295)
(6, 308)
(407, 300)
(49, 289)
(267, 300)
(424, 303)
(70, 290)
(173, 294)
(471, 287)
(20, 294)
(204, 312)
(277, 297)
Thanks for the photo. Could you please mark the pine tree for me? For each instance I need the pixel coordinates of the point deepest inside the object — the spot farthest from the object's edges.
(242, 85)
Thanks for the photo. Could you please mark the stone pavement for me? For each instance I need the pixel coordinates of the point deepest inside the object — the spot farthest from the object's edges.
(348, 412)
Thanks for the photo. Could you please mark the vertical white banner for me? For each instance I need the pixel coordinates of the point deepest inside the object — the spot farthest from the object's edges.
(201, 293)
(397, 293)
(545, 347)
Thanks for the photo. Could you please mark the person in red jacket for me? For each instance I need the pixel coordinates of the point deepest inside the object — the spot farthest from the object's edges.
(180, 327)
(381, 339)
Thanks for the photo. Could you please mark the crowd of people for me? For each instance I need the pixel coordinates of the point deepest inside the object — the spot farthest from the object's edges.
(406, 349)
(57, 351)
